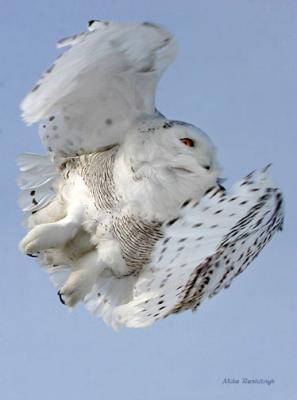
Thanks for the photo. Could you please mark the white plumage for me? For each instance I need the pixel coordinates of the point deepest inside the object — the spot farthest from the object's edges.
(126, 213)
(97, 88)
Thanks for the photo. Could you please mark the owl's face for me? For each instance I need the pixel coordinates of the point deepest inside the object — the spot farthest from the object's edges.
(189, 150)
(174, 145)
(174, 153)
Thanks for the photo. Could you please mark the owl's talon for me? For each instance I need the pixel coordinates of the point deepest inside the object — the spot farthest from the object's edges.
(33, 255)
(61, 298)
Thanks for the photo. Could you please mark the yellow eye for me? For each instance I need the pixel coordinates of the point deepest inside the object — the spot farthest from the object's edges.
(187, 141)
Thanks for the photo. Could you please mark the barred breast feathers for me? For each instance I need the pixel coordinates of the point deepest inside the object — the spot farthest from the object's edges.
(113, 218)
(97, 172)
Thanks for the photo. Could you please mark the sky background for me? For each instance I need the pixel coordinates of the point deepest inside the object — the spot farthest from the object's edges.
(235, 78)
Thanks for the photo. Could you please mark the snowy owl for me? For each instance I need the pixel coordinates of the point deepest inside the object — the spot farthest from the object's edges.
(126, 211)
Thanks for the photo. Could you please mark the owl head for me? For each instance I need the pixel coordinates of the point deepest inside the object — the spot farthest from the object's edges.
(174, 156)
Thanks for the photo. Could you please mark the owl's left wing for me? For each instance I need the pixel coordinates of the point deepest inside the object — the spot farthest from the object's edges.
(93, 92)
(203, 249)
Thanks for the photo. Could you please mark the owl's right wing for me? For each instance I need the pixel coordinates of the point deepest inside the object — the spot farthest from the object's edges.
(93, 92)
(203, 249)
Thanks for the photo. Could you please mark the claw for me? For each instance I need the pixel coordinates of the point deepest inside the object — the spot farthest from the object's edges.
(61, 298)
(32, 255)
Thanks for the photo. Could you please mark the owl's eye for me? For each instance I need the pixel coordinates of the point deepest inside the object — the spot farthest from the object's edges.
(187, 141)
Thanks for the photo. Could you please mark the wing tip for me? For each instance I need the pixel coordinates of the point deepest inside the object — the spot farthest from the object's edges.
(27, 116)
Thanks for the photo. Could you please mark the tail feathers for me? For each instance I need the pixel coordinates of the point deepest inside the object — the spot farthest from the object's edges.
(36, 179)
(109, 293)
(33, 200)
(27, 161)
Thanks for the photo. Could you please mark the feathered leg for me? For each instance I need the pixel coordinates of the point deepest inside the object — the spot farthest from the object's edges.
(53, 234)
(86, 271)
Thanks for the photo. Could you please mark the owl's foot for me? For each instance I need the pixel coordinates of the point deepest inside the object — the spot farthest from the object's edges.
(75, 289)
(48, 236)
(82, 280)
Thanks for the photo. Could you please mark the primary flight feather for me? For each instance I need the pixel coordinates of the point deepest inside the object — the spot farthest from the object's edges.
(126, 212)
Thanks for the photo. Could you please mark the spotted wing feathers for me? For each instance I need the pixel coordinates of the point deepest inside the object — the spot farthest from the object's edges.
(203, 249)
(93, 92)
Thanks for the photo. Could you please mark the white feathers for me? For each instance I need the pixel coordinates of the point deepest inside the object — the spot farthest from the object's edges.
(108, 293)
(140, 230)
(95, 90)
(203, 249)
(36, 177)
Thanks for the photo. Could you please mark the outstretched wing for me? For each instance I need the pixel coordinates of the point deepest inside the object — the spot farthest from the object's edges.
(93, 92)
(203, 249)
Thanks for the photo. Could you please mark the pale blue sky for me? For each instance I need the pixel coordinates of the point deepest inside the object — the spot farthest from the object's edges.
(235, 77)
